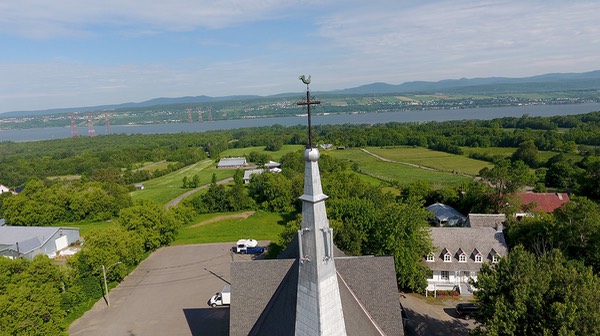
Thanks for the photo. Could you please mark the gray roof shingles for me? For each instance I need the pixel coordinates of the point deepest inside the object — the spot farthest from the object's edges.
(471, 240)
(264, 296)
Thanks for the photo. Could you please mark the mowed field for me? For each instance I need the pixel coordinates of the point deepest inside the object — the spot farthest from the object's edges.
(430, 158)
(165, 188)
(396, 171)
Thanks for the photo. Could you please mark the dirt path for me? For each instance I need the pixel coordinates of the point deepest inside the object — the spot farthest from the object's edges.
(178, 199)
(224, 217)
(392, 161)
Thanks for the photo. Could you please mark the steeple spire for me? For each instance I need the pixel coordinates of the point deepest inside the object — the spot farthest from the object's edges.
(319, 307)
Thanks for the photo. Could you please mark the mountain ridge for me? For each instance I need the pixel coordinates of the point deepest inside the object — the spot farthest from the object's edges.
(539, 83)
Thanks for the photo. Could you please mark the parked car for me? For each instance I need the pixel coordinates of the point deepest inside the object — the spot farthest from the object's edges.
(466, 310)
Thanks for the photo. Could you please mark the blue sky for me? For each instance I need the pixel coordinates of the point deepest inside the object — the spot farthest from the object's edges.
(70, 53)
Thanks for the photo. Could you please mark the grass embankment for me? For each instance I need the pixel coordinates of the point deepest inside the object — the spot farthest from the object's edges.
(229, 227)
(165, 188)
(402, 173)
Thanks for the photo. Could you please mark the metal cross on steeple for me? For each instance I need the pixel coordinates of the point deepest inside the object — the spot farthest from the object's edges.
(308, 103)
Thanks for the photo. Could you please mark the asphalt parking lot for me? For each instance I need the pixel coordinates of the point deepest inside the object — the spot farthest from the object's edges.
(166, 295)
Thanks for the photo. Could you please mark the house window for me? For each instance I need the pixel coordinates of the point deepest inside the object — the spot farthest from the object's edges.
(478, 258)
(447, 257)
(462, 258)
(430, 275)
(495, 258)
(445, 275)
(473, 274)
(430, 257)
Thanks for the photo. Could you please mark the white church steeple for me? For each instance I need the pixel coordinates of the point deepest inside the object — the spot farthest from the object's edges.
(319, 307)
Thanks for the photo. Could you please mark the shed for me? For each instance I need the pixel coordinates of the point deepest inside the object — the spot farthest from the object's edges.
(29, 241)
(248, 174)
(446, 215)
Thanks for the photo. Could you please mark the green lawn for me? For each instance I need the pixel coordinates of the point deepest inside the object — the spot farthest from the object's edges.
(396, 171)
(235, 152)
(165, 188)
(508, 151)
(431, 158)
(260, 226)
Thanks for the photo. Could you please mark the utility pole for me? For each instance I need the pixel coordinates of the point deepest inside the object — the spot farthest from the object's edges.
(105, 283)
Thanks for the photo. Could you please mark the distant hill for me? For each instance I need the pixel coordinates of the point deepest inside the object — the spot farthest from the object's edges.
(542, 83)
(547, 82)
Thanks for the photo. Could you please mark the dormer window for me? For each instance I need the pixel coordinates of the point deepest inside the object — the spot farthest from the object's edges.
(477, 255)
(494, 256)
(430, 257)
(462, 256)
(447, 255)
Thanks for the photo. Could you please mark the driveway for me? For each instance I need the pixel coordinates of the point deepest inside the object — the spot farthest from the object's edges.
(433, 317)
(166, 295)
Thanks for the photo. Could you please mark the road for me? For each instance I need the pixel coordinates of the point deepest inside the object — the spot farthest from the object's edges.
(178, 199)
(166, 295)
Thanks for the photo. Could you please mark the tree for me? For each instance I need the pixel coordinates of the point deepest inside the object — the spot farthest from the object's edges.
(108, 246)
(549, 295)
(505, 178)
(30, 298)
(150, 220)
(578, 230)
(528, 153)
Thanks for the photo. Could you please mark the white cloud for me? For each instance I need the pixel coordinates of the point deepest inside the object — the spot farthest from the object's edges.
(48, 19)
(437, 36)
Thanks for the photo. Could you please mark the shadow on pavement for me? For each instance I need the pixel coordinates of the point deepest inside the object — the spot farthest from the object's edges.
(208, 321)
(424, 325)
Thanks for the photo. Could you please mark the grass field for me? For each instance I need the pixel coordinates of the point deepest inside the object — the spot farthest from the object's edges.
(152, 166)
(430, 158)
(204, 229)
(508, 151)
(395, 171)
(233, 152)
(165, 188)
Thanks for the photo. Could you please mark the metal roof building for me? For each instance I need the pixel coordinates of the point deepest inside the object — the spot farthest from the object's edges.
(235, 162)
(445, 214)
(29, 241)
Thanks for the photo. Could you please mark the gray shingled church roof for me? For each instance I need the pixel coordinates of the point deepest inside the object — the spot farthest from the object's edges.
(263, 297)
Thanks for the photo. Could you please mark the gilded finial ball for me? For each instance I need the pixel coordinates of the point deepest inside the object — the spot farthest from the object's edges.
(312, 154)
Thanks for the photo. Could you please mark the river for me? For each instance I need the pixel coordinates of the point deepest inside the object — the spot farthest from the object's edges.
(482, 113)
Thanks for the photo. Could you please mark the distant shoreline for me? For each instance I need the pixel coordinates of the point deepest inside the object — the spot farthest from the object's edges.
(477, 113)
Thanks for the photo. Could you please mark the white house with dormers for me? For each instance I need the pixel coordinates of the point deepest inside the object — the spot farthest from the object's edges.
(459, 253)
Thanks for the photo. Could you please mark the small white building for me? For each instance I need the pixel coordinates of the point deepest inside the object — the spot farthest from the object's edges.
(459, 253)
(3, 189)
(248, 174)
(29, 241)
